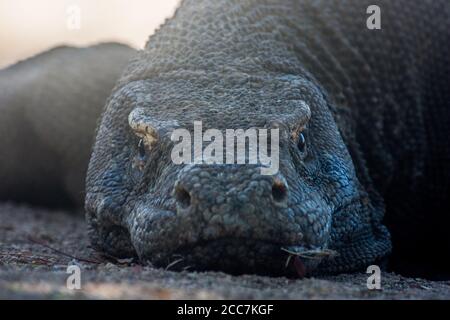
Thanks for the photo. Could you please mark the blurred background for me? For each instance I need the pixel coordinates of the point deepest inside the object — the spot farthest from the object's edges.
(29, 26)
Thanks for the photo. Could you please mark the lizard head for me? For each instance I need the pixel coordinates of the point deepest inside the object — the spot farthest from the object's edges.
(311, 213)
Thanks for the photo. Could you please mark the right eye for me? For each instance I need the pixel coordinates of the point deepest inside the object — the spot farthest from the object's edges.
(301, 142)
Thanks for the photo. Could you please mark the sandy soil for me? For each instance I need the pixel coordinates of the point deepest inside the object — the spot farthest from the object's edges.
(37, 245)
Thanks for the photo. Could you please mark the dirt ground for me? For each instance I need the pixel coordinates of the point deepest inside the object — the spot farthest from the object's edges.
(37, 245)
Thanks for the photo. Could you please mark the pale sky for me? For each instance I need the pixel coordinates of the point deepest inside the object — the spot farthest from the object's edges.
(30, 26)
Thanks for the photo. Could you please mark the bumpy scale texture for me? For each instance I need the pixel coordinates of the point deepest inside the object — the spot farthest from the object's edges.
(370, 105)
(376, 123)
(50, 105)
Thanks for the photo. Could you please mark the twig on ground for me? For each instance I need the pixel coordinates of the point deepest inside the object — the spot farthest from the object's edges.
(41, 243)
(312, 254)
(170, 265)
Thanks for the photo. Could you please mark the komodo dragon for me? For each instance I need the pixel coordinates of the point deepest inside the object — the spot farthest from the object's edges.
(363, 117)
(50, 105)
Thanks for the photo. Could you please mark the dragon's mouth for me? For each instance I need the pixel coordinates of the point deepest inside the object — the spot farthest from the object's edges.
(245, 256)
(186, 241)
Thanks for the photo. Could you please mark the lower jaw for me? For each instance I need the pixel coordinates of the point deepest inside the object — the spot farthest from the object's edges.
(237, 257)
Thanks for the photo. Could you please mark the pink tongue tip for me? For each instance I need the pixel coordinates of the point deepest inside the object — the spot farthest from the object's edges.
(299, 267)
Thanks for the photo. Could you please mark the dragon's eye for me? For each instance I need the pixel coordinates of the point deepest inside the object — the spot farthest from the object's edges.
(139, 160)
(301, 142)
(141, 148)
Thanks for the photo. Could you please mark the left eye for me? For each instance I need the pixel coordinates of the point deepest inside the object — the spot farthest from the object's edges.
(301, 142)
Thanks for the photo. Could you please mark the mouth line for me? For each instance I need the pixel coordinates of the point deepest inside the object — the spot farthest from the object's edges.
(247, 256)
(263, 242)
(291, 247)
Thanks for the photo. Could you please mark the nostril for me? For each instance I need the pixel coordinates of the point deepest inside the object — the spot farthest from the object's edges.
(183, 197)
(279, 191)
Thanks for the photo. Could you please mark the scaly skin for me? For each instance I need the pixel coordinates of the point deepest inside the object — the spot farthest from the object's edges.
(377, 130)
(50, 105)
(373, 106)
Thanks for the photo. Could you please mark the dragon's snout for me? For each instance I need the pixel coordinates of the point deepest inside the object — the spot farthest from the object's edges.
(235, 202)
(202, 188)
(225, 217)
